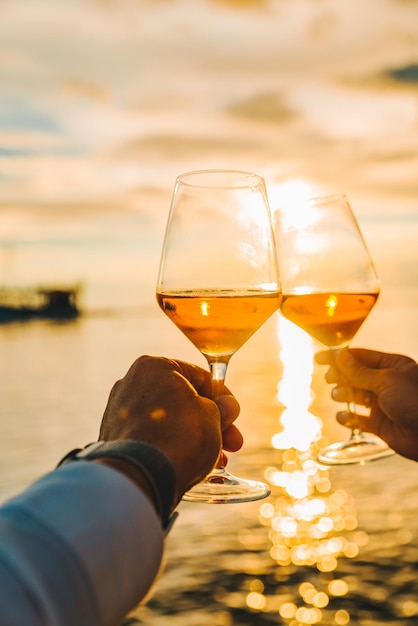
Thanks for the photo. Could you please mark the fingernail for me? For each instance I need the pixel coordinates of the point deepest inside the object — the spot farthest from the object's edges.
(343, 417)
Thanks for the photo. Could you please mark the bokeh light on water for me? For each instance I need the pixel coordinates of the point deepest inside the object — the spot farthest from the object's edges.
(311, 523)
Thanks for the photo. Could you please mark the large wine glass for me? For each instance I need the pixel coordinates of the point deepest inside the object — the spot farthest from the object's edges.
(329, 288)
(218, 282)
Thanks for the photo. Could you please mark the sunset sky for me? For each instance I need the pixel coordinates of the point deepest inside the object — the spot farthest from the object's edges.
(104, 103)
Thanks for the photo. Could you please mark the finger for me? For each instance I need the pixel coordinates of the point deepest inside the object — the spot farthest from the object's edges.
(324, 357)
(358, 375)
(229, 409)
(232, 439)
(381, 360)
(369, 358)
(374, 423)
(333, 376)
(359, 396)
(198, 377)
(353, 420)
(223, 460)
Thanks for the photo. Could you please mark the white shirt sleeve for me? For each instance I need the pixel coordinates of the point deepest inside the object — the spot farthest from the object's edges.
(80, 547)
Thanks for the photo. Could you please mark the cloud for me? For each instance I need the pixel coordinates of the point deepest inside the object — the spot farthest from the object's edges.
(407, 74)
(101, 97)
(266, 107)
(170, 146)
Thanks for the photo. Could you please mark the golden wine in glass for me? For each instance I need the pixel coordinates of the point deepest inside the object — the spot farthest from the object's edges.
(218, 283)
(329, 286)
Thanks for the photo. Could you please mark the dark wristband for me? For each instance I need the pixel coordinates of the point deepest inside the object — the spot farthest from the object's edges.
(152, 463)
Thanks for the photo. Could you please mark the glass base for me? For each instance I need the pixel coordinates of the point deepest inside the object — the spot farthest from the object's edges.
(221, 487)
(358, 449)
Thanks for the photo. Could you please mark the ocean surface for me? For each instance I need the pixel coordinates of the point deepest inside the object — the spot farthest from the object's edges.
(102, 104)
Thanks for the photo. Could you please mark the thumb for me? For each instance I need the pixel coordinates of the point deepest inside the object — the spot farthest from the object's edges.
(357, 374)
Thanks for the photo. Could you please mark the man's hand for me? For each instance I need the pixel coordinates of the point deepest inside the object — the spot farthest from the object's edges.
(169, 404)
(387, 384)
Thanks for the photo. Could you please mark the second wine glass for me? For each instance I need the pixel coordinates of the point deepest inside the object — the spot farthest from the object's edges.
(329, 286)
(218, 282)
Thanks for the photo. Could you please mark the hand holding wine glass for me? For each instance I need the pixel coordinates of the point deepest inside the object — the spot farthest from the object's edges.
(218, 282)
(385, 383)
(329, 288)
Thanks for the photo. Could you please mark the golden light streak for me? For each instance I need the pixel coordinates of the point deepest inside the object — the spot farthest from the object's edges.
(307, 518)
(204, 308)
(331, 304)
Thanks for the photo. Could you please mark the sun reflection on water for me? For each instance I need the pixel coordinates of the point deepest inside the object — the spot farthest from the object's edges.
(311, 524)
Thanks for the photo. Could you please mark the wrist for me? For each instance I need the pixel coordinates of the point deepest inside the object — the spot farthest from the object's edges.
(144, 464)
(135, 475)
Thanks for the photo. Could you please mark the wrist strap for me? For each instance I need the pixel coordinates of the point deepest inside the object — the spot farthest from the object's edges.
(153, 464)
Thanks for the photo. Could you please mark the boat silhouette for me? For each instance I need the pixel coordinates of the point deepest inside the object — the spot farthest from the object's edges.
(43, 302)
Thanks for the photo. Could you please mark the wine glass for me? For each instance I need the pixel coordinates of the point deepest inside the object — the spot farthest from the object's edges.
(329, 288)
(218, 282)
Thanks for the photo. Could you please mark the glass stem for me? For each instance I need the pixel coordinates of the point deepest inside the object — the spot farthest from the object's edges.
(217, 376)
(351, 406)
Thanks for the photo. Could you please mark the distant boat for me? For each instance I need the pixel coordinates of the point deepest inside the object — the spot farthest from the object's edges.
(27, 303)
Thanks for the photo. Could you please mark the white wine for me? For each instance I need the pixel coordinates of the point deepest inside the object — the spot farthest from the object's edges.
(331, 318)
(218, 323)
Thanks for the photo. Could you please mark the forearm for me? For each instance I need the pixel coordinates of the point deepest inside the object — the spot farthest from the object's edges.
(81, 546)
